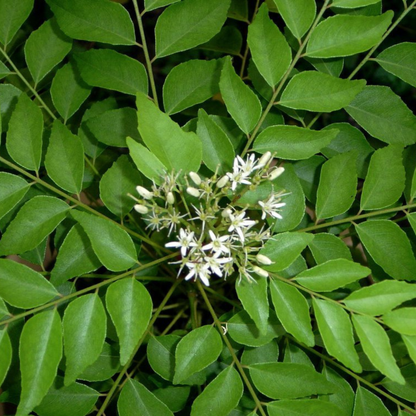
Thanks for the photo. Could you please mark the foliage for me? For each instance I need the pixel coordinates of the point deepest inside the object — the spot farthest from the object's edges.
(291, 119)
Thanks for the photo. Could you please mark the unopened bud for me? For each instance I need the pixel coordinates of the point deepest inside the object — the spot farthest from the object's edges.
(144, 192)
(226, 213)
(193, 192)
(264, 159)
(275, 173)
(263, 259)
(261, 272)
(170, 198)
(222, 182)
(141, 209)
(195, 178)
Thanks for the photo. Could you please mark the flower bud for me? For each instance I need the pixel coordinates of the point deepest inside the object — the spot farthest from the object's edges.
(260, 272)
(170, 198)
(141, 209)
(264, 259)
(264, 159)
(195, 178)
(223, 181)
(144, 192)
(275, 173)
(193, 192)
(226, 213)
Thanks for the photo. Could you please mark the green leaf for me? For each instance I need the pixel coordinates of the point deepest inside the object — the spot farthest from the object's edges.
(243, 330)
(385, 180)
(161, 355)
(294, 209)
(5, 353)
(32, 224)
(202, 78)
(217, 150)
(293, 311)
(308, 172)
(400, 60)
(113, 126)
(4, 71)
(3, 309)
(95, 21)
(310, 407)
(155, 4)
(297, 14)
(384, 115)
(111, 244)
(331, 66)
(269, 49)
(229, 41)
(136, 400)
(410, 342)
(195, 351)
(337, 185)
(402, 320)
(112, 70)
(85, 325)
(326, 247)
(24, 140)
(116, 183)
(203, 21)
(331, 275)
(238, 10)
(292, 142)
(45, 48)
(12, 189)
(242, 103)
(378, 237)
(221, 396)
(344, 396)
(345, 35)
(288, 380)
(381, 297)
(40, 353)
(75, 257)
(146, 161)
(130, 307)
(316, 91)
(253, 296)
(176, 149)
(352, 4)
(336, 331)
(22, 287)
(64, 159)
(348, 139)
(376, 346)
(12, 16)
(104, 367)
(68, 91)
(268, 353)
(173, 397)
(74, 400)
(368, 404)
(8, 98)
(284, 248)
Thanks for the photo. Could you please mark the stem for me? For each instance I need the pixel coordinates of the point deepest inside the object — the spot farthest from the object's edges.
(285, 77)
(79, 203)
(89, 289)
(357, 217)
(26, 82)
(229, 346)
(391, 28)
(125, 368)
(146, 53)
(352, 374)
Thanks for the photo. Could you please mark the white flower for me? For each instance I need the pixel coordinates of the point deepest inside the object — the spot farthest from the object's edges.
(202, 216)
(275, 173)
(239, 224)
(261, 258)
(261, 272)
(223, 181)
(195, 178)
(238, 176)
(185, 241)
(215, 263)
(193, 192)
(248, 166)
(172, 220)
(264, 160)
(144, 192)
(141, 209)
(154, 221)
(200, 270)
(170, 199)
(271, 206)
(217, 243)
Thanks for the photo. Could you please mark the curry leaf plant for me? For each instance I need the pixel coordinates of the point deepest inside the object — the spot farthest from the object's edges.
(207, 208)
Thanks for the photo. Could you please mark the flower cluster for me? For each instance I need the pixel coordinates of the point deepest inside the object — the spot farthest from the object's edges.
(214, 232)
